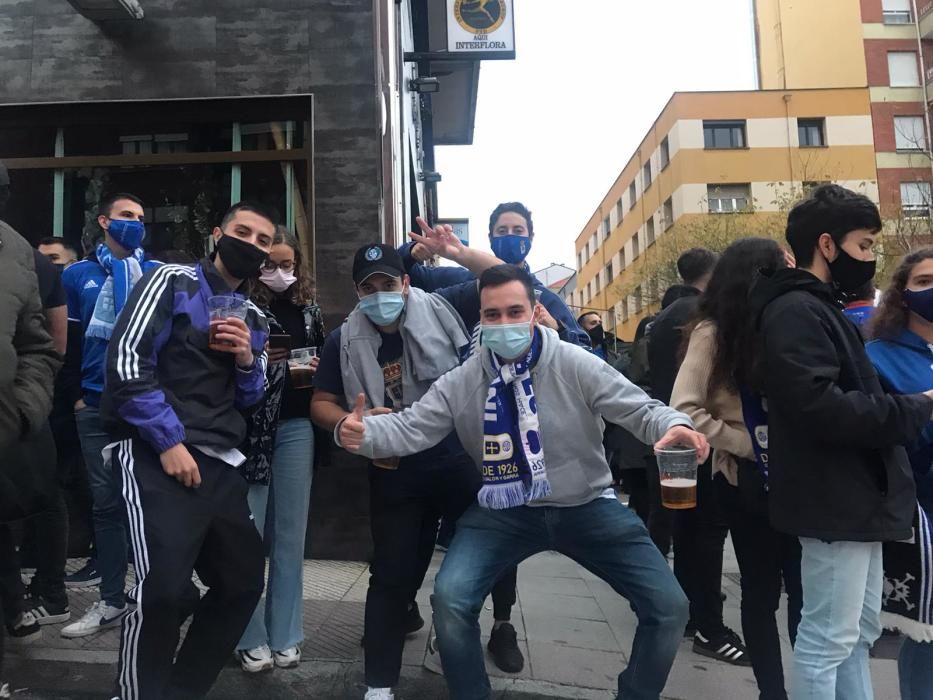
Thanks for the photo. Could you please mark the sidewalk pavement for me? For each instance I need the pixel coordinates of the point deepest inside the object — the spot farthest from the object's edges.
(574, 631)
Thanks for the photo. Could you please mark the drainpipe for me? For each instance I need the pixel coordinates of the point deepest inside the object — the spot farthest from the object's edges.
(923, 72)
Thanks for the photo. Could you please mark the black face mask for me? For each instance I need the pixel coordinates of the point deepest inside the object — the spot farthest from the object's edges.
(597, 335)
(241, 259)
(59, 266)
(850, 274)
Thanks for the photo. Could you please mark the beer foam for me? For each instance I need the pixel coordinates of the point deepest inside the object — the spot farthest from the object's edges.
(679, 483)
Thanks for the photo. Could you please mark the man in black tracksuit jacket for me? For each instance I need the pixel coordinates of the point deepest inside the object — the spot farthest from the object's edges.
(838, 476)
(172, 402)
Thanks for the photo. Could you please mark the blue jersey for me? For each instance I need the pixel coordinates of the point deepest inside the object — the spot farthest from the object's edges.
(83, 282)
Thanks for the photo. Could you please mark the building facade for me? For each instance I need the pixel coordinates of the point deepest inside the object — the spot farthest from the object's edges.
(713, 155)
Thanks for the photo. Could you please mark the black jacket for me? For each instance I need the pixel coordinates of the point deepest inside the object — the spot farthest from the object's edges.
(665, 336)
(837, 470)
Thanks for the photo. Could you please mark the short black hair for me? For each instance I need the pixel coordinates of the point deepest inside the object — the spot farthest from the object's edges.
(106, 204)
(52, 240)
(516, 207)
(498, 275)
(585, 314)
(828, 209)
(257, 209)
(695, 264)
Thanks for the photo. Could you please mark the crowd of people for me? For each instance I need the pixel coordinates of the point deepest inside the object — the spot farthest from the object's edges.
(181, 400)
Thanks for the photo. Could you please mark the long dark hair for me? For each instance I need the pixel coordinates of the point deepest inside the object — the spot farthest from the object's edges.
(891, 316)
(301, 293)
(725, 303)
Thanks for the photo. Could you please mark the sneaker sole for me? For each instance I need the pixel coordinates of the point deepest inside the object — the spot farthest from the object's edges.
(261, 669)
(90, 583)
(53, 619)
(23, 641)
(290, 664)
(111, 624)
(744, 661)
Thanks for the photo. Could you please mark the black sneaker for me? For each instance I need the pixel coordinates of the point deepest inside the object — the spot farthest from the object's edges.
(414, 622)
(46, 612)
(26, 629)
(85, 577)
(727, 647)
(503, 646)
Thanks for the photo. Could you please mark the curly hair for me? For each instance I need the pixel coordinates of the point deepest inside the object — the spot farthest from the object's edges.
(725, 303)
(891, 316)
(301, 293)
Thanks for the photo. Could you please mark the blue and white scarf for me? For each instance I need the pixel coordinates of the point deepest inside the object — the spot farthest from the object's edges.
(121, 276)
(512, 477)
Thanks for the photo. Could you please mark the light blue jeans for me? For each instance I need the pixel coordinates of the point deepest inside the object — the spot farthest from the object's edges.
(281, 513)
(842, 586)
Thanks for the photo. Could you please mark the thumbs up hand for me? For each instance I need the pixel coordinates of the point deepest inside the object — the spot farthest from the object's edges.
(352, 429)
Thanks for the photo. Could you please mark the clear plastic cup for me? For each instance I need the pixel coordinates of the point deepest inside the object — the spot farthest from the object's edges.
(299, 367)
(677, 467)
(222, 307)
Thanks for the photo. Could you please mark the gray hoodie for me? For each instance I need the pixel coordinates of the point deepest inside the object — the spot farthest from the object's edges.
(574, 390)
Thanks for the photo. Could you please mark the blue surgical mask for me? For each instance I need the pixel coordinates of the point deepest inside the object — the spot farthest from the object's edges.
(383, 308)
(921, 303)
(508, 340)
(129, 234)
(511, 249)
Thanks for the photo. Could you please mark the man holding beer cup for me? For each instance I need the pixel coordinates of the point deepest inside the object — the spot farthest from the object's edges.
(186, 355)
(529, 410)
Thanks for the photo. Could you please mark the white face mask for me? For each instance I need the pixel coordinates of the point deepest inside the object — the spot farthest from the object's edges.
(279, 280)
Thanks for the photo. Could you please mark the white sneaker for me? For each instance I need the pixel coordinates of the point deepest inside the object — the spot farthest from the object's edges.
(379, 694)
(432, 659)
(256, 660)
(5, 691)
(98, 617)
(287, 658)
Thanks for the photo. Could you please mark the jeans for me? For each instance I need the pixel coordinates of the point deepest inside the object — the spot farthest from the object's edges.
(605, 537)
(699, 538)
(842, 585)
(915, 668)
(766, 558)
(109, 514)
(406, 505)
(280, 510)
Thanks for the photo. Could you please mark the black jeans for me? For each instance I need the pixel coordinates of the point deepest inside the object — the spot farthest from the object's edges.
(765, 557)
(406, 505)
(699, 538)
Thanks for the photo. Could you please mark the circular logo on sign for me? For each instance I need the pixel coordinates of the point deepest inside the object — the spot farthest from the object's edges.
(480, 16)
(373, 254)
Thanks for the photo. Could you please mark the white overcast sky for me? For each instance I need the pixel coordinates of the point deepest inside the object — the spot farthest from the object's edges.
(555, 126)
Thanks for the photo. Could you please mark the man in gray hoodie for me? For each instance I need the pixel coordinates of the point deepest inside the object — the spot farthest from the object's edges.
(529, 411)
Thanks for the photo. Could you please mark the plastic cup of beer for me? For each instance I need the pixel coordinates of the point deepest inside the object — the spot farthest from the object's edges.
(299, 367)
(678, 470)
(220, 308)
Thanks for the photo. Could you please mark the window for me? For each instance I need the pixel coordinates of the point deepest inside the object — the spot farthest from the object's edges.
(810, 132)
(609, 273)
(636, 246)
(902, 69)
(622, 259)
(624, 305)
(896, 11)
(725, 199)
(636, 295)
(632, 195)
(649, 232)
(668, 213)
(596, 285)
(724, 134)
(607, 228)
(580, 260)
(665, 153)
(909, 134)
(586, 249)
(915, 198)
(646, 175)
(619, 212)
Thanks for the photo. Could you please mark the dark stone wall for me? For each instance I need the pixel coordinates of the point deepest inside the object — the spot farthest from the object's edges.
(210, 48)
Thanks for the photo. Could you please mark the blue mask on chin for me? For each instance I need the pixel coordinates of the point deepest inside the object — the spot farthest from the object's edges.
(129, 234)
(511, 249)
